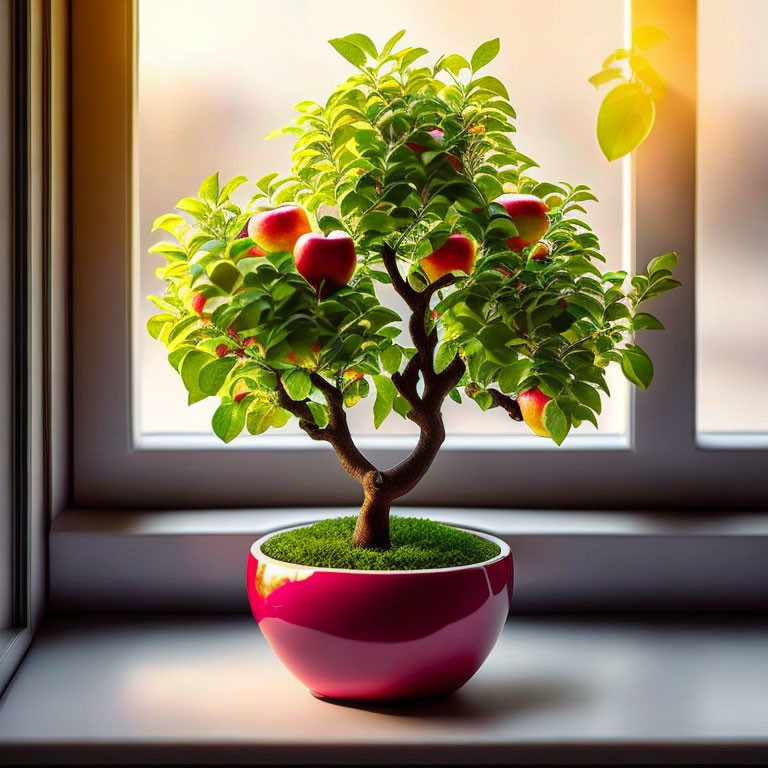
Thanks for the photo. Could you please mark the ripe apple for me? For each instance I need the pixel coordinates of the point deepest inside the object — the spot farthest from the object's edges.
(529, 215)
(278, 229)
(438, 136)
(456, 254)
(326, 263)
(255, 251)
(539, 252)
(222, 350)
(532, 405)
(197, 303)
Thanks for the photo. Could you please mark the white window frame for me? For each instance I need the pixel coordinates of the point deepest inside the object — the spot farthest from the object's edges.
(38, 327)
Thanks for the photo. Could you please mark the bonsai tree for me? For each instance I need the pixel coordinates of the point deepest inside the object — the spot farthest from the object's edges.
(407, 176)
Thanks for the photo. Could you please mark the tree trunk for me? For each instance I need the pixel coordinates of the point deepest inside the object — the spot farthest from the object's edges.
(372, 528)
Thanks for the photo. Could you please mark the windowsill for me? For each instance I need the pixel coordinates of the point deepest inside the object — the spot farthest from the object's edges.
(207, 689)
(574, 562)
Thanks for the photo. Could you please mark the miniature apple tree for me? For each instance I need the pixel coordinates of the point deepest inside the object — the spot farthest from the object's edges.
(406, 176)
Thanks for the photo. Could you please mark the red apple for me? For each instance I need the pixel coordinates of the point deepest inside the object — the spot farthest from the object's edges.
(438, 136)
(539, 252)
(197, 303)
(254, 251)
(221, 350)
(326, 263)
(457, 254)
(532, 405)
(278, 229)
(529, 215)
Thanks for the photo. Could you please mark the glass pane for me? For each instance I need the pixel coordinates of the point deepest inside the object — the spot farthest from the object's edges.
(216, 78)
(732, 195)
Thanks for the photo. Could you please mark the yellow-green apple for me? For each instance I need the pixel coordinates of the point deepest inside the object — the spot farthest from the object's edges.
(326, 263)
(539, 252)
(438, 136)
(529, 215)
(456, 254)
(279, 228)
(532, 405)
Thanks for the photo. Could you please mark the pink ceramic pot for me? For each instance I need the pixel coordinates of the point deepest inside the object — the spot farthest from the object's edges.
(380, 635)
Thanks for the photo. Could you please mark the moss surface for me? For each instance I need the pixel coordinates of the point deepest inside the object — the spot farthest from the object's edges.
(416, 544)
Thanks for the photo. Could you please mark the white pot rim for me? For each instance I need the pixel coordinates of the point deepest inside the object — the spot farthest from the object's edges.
(257, 553)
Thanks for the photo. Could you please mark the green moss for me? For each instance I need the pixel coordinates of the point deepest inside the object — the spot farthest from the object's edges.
(416, 544)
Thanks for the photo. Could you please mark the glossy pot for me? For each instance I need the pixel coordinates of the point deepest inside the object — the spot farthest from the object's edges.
(380, 635)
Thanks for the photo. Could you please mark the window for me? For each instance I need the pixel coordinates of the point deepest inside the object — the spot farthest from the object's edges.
(732, 322)
(654, 464)
(197, 114)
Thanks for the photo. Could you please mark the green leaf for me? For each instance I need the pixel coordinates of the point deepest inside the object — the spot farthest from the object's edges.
(637, 366)
(485, 54)
(444, 356)
(391, 43)
(555, 422)
(667, 261)
(646, 36)
(376, 221)
(349, 51)
(194, 206)
(264, 182)
(225, 275)
(230, 187)
(280, 417)
(209, 189)
(644, 321)
(492, 84)
(363, 42)
(228, 420)
(587, 395)
(259, 418)
(625, 119)
(511, 375)
(170, 222)
(297, 384)
(411, 56)
(391, 358)
(190, 372)
(454, 63)
(648, 75)
(214, 374)
(386, 393)
(489, 186)
(605, 76)
(319, 413)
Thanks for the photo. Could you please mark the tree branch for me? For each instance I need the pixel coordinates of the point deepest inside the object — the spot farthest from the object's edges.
(337, 432)
(509, 404)
(399, 283)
